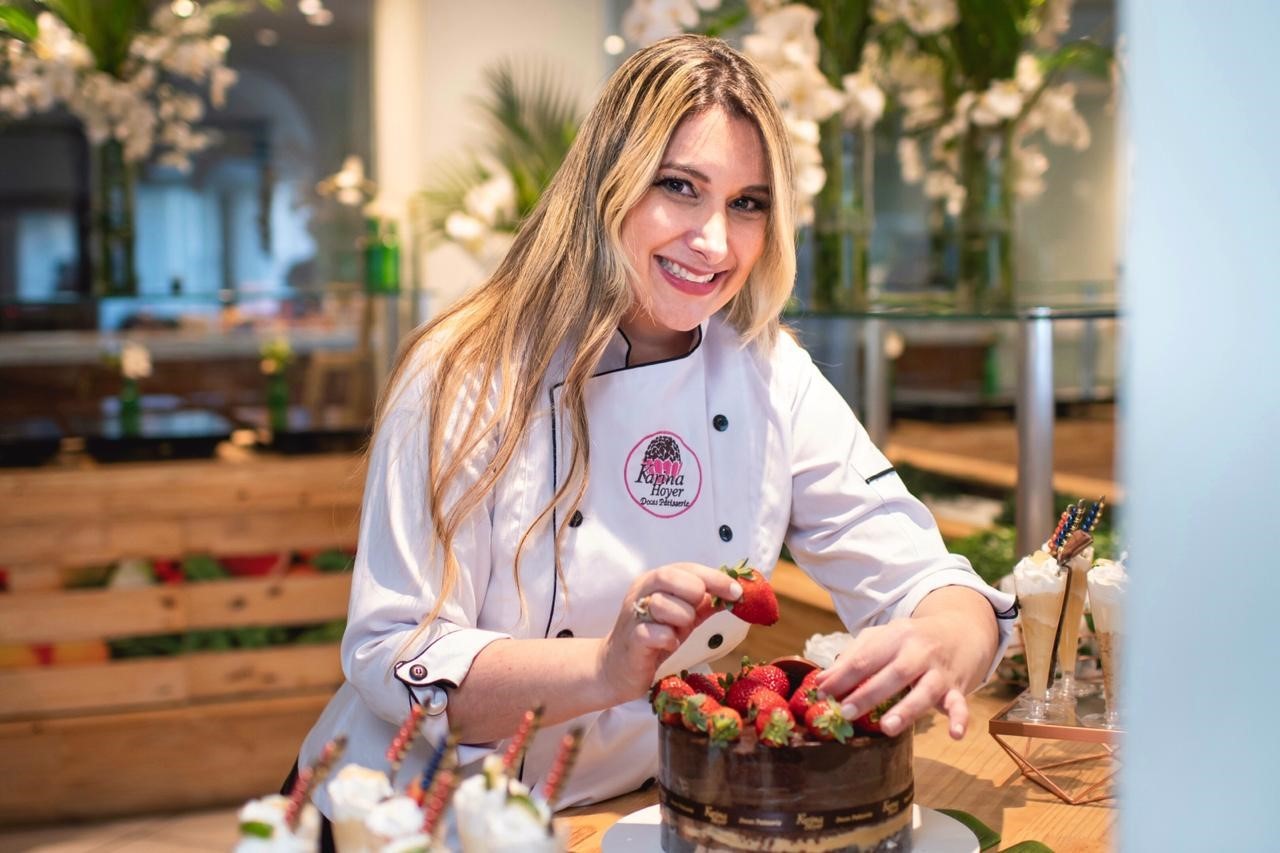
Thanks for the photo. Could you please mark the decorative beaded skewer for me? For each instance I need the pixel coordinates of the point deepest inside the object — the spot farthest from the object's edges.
(309, 777)
(528, 725)
(404, 739)
(562, 766)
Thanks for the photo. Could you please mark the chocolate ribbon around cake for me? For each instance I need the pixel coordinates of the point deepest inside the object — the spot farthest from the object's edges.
(789, 822)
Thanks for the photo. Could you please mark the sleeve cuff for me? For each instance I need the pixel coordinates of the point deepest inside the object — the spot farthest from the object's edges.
(1002, 603)
(445, 662)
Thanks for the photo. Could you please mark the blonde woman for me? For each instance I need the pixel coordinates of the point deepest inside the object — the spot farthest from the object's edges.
(562, 460)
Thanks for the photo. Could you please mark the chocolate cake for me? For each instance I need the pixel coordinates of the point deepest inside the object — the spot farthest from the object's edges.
(810, 796)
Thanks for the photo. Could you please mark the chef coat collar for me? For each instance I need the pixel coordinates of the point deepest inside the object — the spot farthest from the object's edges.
(619, 349)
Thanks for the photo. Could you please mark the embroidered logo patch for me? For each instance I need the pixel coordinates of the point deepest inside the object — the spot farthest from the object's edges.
(663, 474)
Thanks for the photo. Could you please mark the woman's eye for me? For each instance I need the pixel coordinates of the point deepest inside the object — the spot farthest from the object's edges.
(747, 204)
(679, 186)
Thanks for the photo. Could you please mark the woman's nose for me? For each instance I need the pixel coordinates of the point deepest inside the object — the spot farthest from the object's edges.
(710, 238)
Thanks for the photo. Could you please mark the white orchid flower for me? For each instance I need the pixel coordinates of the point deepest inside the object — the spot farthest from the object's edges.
(805, 93)
(493, 200)
(1063, 125)
(1055, 20)
(791, 28)
(1029, 165)
(1028, 74)
(1002, 101)
(864, 104)
(910, 160)
(466, 230)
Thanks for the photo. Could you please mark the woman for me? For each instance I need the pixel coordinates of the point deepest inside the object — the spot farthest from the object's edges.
(563, 459)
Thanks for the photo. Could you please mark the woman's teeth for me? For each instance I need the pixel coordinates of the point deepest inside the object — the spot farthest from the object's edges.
(680, 272)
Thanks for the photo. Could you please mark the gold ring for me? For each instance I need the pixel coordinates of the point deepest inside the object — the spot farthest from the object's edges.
(640, 607)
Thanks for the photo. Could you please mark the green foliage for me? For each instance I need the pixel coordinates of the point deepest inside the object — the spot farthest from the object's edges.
(532, 119)
(202, 567)
(987, 837)
(333, 560)
(227, 639)
(842, 31)
(17, 22)
(107, 27)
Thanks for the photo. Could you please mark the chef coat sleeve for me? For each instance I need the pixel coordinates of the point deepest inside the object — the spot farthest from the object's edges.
(854, 527)
(397, 570)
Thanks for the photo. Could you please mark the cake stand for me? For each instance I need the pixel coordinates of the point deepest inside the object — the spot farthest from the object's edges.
(932, 832)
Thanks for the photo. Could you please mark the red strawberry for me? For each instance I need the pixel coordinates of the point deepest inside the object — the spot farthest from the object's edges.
(738, 696)
(669, 702)
(696, 710)
(810, 680)
(764, 701)
(870, 721)
(802, 699)
(825, 722)
(757, 605)
(768, 675)
(775, 727)
(724, 726)
(664, 683)
(712, 685)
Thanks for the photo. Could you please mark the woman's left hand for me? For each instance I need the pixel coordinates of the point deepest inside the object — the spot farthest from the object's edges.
(940, 654)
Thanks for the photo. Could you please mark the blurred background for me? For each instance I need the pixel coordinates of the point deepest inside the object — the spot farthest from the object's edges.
(218, 220)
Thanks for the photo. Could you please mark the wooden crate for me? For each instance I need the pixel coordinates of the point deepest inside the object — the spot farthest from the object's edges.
(166, 733)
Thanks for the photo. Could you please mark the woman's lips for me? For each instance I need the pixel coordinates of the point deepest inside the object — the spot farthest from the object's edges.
(683, 285)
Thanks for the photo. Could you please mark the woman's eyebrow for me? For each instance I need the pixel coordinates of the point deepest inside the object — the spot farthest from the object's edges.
(702, 176)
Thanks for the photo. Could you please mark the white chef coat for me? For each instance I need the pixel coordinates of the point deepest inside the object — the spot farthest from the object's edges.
(717, 455)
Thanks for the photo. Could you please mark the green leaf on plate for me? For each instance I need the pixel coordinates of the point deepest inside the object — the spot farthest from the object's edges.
(257, 829)
(987, 837)
(1028, 847)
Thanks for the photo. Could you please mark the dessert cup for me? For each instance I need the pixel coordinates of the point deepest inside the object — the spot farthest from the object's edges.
(1066, 689)
(1108, 583)
(1040, 586)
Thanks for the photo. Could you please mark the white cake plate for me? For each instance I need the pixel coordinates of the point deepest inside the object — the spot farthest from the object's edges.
(931, 832)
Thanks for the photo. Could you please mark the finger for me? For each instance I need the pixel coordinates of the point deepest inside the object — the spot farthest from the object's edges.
(654, 635)
(669, 610)
(710, 580)
(956, 707)
(919, 701)
(867, 655)
(881, 686)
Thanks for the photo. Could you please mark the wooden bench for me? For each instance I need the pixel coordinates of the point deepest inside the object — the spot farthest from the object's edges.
(164, 733)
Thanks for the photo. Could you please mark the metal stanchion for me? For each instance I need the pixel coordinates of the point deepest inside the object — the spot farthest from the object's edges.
(875, 382)
(1035, 415)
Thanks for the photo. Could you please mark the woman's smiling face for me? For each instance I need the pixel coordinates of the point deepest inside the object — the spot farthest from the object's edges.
(695, 235)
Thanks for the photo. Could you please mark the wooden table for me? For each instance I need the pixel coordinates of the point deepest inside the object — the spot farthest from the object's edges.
(972, 775)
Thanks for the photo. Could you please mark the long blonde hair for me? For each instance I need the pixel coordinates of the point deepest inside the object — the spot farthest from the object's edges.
(564, 284)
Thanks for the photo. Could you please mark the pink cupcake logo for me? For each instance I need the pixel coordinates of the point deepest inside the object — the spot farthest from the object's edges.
(663, 475)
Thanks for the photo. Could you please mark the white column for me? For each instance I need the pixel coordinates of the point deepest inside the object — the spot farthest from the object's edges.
(1201, 417)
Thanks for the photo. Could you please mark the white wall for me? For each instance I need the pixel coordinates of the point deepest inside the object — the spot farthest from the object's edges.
(429, 62)
(1200, 427)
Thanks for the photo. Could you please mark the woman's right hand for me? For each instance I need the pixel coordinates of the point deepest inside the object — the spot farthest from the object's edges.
(677, 599)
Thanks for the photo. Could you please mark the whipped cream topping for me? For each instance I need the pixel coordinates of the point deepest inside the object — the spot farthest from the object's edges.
(515, 827)
(1037, 574)
(1108, 582)
(395, 818)
(270, 811)
(420, 843)
(356, 790)
(1082, 561)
